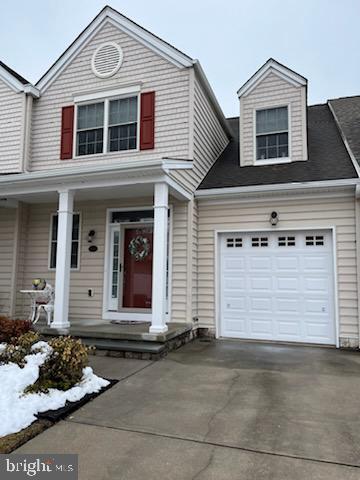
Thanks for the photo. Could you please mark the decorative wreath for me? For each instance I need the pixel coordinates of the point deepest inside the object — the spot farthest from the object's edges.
(139, 248)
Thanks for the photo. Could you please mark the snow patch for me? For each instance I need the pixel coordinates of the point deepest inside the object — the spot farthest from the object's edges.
(18, 410)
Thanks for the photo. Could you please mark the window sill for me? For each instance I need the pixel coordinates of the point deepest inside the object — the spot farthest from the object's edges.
(272, 161)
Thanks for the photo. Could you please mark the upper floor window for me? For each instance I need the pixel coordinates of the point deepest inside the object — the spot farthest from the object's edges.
(272, 133)
(107, 126)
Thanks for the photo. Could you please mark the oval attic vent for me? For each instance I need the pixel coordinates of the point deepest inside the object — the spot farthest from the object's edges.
(107, 59)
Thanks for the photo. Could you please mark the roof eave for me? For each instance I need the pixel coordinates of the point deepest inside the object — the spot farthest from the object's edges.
(278, 68)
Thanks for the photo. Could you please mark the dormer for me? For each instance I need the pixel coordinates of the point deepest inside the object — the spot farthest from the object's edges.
(273, 106)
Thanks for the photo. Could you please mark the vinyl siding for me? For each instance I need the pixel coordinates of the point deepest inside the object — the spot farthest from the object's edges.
(273, 91)
(11, 115)
(7, 231)
(140, 66)
(293, 213)
(35, 241)
(206, 134)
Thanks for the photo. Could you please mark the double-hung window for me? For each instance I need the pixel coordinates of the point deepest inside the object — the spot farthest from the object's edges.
(272, 133)
(106, 126)
(75, 241)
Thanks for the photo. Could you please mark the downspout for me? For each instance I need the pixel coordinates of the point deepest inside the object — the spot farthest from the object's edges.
(27, 133)
(357, 230)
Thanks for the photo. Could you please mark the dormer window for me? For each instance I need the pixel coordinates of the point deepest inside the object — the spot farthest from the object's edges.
(272, 134)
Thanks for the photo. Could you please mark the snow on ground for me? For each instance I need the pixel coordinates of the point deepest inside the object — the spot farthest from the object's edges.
(18, 410)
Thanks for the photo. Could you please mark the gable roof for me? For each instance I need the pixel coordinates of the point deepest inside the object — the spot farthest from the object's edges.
(16, 81)
(328, 158)
(155, 43)
(271, 66)
(346, 111)
(108, 14)
(13, 73)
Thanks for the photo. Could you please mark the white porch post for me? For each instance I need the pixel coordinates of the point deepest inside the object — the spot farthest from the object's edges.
(63, 258)
(161, 206)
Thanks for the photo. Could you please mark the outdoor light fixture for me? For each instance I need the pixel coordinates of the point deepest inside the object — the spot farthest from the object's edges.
(91, 236)
(274, 218)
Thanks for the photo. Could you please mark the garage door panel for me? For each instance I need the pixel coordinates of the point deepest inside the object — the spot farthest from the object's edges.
(287, 305)
(317, 285)
(234, 263)
(234, 283)
(287, 264)
(289, 328)
(237, 304)
(278, 286)
(288, 283)
(261, 304)
(258, 283)
(260, 263)
(260, 326)
(318, 263)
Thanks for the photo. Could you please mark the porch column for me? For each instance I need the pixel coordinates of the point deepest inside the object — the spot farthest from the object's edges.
(161, 205)
(63, 259)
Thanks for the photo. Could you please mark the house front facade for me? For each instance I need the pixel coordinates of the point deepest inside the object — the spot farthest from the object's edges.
(124, 186)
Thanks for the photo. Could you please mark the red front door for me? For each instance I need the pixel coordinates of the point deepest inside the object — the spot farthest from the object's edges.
(137, 284)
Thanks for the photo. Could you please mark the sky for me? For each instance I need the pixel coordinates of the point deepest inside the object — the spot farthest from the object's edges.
(317, 38)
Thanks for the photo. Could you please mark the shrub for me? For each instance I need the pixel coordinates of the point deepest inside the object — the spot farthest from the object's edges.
(64, 367)
(10, 330)
(16, 353)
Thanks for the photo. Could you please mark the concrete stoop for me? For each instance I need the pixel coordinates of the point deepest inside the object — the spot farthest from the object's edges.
(128, 344)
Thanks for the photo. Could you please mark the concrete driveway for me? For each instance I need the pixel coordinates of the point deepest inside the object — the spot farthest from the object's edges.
(220, 410)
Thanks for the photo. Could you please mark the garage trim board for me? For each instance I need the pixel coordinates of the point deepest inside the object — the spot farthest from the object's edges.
(272, 240)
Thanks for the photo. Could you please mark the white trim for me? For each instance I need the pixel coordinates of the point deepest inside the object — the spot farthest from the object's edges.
(127, 90)
(16, 85)
(272, 161)
(53, 269)
(126, 25)
(281, 187)
(128, 172)
(134, 316)
(217, 259)
(15, 260)
(271, 66)
(105, 99)
(31, 90)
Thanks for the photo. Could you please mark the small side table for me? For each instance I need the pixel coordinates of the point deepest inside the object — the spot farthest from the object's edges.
(37, 302)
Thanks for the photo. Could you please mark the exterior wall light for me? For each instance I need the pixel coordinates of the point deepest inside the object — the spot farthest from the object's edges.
(91, 236)
(274, 218)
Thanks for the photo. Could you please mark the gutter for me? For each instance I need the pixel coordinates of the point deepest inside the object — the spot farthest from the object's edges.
(281, 187)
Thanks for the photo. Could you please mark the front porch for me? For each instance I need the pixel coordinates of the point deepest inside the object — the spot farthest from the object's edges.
(85, 254)
(130, 340)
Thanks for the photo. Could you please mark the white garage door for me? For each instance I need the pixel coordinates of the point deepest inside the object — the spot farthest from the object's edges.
(277, 286)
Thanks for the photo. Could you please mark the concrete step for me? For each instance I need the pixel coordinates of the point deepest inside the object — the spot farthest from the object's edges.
(125, 346)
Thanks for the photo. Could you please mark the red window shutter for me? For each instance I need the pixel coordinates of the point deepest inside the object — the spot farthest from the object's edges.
(147, 120)
(67, 131)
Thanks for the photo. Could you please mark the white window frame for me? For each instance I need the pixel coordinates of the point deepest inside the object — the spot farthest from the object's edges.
(106, 98)
(77, 269)
(272, 161)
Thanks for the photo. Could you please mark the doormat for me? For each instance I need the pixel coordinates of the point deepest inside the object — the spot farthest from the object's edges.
(127, 322)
